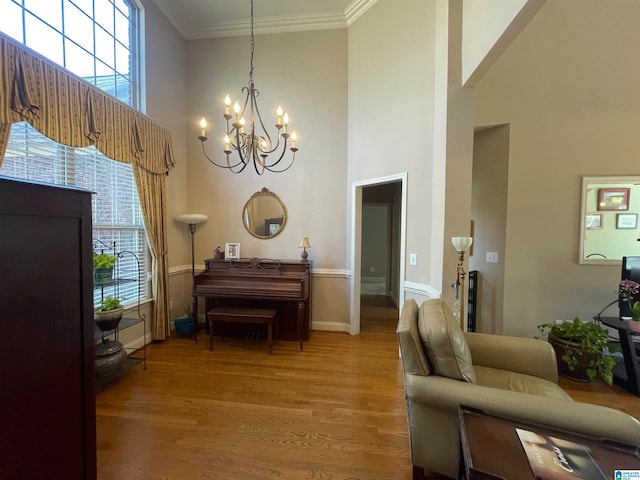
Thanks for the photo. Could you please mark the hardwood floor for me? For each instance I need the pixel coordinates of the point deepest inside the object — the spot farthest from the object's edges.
(332, 412)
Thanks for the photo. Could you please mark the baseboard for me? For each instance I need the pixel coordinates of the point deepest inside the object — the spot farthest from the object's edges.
(330, 327)
(139, 342)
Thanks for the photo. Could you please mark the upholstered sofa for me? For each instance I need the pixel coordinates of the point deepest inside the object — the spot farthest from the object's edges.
(512, 376)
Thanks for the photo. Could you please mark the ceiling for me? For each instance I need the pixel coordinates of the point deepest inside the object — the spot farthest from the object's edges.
(226, 18)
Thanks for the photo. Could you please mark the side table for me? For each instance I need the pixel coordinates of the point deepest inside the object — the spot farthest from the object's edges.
(626, 375)
(491, 449)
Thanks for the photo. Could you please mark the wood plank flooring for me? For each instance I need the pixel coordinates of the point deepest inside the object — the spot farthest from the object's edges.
(332, 412)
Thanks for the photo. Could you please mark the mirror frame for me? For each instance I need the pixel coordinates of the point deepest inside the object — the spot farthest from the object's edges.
(614, 180)
(265, 193)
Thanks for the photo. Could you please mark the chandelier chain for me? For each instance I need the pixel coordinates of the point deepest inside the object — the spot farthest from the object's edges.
(252, 47)
(251, 140)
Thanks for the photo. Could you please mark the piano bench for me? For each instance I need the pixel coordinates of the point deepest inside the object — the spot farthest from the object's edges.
(264, 316)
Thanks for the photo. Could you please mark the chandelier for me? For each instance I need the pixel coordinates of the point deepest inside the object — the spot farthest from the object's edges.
(251, 141)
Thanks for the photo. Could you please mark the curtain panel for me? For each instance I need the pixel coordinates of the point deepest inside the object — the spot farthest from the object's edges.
(73, 112)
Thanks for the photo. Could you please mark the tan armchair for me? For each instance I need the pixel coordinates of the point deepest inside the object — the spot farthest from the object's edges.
(516, 377)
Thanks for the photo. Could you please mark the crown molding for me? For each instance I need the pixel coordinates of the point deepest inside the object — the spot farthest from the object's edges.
(357, 9)
(283, 24)
(176, 21)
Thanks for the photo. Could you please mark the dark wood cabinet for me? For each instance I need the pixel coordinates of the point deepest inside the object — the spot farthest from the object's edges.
(47, 397)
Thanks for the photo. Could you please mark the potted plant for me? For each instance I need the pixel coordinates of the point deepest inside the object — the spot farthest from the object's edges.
(108, 313)
(103, 268)
(581, 349)
(628, 290)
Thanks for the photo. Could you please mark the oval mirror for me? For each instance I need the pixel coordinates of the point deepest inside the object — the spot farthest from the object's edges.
(609, 219)
(264, 215)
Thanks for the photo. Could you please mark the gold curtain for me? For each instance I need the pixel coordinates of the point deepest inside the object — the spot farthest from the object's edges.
(73, 112)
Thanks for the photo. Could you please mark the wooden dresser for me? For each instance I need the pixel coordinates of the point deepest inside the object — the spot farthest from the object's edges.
(47, 398)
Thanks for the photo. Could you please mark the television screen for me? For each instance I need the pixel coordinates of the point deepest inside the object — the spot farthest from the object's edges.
(630, 271)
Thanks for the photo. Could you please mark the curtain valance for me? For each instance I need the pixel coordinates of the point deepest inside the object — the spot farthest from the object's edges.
(74, 112)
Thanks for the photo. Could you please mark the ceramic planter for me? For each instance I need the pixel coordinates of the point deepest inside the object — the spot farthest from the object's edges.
(108, 320)
(579, 373)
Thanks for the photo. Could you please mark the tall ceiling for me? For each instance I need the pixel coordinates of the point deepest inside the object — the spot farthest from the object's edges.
(225, 18)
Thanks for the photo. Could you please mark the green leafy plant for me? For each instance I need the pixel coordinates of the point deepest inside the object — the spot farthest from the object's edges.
(103, 260)
(590, 338)
(108, 303)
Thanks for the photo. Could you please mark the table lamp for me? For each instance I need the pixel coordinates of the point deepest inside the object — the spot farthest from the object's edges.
(304, 244)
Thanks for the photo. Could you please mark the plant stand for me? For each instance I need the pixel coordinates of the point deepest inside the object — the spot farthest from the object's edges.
(105, 334)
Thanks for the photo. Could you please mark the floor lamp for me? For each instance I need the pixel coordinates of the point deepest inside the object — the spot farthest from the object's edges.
(192, 219)
(461, 244)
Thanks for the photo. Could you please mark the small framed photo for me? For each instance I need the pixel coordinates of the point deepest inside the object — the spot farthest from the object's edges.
(613, 199)
(593, 221)
(232, 251)
(627, 221)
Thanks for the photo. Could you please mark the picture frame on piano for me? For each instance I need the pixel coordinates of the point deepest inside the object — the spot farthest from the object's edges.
(232, 251)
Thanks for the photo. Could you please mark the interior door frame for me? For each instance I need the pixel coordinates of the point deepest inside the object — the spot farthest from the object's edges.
(356, 242)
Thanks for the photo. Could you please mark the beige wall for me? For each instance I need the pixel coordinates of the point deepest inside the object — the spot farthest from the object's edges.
(166, 99)
(398, 96)
(489, 28)
(568, 88)
(307, 74)
(489, 213)
(391, 110)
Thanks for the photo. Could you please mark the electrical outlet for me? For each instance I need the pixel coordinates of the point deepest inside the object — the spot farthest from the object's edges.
(492, 257)
(413, 259)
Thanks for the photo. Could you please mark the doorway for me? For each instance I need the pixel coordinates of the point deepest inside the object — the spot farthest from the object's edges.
(378, 246)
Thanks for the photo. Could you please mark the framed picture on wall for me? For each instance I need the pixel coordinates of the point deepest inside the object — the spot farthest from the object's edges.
(232, 251)
(627, 221)
(613, 199)
(593, 221)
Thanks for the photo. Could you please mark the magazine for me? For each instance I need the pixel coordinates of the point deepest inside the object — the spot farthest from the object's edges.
(553, 458)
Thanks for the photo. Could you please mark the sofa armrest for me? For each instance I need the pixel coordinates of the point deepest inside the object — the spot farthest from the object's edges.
(516, 354)
(444, 395)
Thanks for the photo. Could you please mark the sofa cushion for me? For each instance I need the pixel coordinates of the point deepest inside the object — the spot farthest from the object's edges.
(518, 382)
(444, 342)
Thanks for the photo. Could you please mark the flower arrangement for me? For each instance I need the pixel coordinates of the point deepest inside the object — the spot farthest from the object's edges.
(627, 290)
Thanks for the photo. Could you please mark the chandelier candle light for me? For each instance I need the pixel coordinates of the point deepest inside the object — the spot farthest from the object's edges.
(461, 244)
(252, 141)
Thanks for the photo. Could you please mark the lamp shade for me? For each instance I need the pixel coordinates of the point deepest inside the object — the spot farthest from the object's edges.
(191, 218)
(304, 243)
(461, 244)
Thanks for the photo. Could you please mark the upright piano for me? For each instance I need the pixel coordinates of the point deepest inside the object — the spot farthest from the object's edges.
(284, 285)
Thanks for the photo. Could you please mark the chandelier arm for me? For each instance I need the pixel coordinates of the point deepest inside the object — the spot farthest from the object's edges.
(228, 166)
(265, 131)
(251, 147)
(293, 157)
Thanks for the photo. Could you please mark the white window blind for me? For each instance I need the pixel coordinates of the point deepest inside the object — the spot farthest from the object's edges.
(117, 218)
(97, 40)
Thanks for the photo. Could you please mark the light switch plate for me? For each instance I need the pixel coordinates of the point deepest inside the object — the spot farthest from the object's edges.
(413, 259)
(492, 257)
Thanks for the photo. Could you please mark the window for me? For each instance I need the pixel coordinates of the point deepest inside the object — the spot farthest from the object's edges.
(97, 40)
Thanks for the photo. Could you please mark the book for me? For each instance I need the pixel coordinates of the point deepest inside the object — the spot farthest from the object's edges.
(553, 458)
